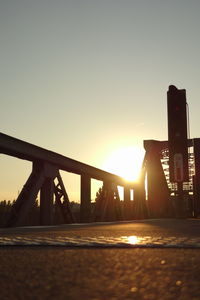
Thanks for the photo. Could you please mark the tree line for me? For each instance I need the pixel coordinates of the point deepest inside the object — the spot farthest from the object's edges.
(33, 216)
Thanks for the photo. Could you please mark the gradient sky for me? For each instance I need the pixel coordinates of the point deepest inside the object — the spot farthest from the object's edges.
(83, 78)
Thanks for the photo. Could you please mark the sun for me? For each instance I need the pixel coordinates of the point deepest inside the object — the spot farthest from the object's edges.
(125, 162)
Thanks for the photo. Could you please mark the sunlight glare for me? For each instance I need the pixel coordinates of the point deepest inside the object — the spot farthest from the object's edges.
(125, 162)
(133, 239)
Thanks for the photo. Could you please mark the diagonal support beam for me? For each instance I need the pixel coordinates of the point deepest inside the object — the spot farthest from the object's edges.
(108, 206)
(62, 200)
(27, 197)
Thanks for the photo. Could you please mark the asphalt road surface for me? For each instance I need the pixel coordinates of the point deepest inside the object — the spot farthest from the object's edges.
(149, 259)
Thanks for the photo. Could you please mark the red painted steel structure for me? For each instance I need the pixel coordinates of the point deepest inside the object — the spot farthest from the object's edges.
(163, 197)
(46, 166)
(157, 188)
(177, 134)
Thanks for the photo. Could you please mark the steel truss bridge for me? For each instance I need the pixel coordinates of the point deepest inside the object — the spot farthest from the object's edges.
(157, 199)
(162, 194)
(46, 179)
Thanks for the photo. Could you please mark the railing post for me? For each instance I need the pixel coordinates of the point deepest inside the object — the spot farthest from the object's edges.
(85, 209)
(47, 194)
(46, 202)
(127, 203)
(140, 205)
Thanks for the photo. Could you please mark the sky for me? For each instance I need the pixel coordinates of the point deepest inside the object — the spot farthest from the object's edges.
(84, 77)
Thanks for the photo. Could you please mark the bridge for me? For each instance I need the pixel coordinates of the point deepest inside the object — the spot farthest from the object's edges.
(156, 257)
(170, 171)
(45, 177)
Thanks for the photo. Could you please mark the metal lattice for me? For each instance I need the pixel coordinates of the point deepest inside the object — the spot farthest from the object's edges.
(187, 186)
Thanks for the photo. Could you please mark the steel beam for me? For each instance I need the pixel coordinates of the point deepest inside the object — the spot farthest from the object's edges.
(23, 150)
(27, 197)
(62, 201)
(46, 202)
(127, 194)
(127, 204)
(140, 203)
(85, 209)
(157, 189)
(161, 145)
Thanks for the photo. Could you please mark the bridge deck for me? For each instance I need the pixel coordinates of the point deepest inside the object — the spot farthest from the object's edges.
(95, 272)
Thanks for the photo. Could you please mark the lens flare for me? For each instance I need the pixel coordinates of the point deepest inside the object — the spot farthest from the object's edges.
(125, 162)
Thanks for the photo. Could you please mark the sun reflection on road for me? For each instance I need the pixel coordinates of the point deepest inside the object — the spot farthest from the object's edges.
(133, 239)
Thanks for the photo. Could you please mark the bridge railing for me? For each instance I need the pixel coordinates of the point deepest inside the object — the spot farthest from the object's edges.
(46, 166)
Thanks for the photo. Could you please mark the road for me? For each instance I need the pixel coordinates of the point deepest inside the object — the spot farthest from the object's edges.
(161, 260)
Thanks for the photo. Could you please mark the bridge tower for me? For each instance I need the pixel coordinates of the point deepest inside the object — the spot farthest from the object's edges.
(157, 188)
